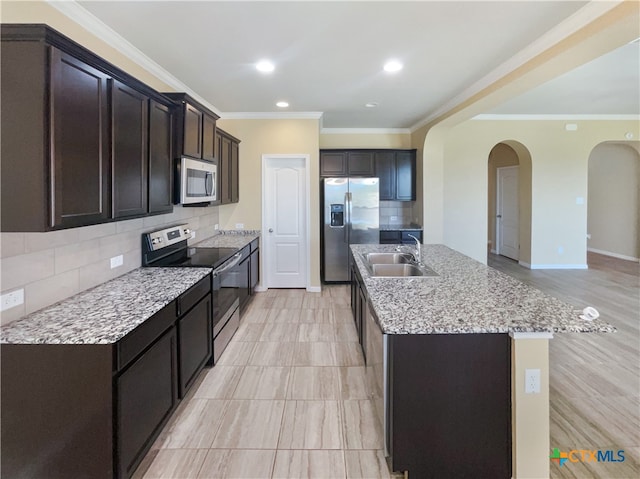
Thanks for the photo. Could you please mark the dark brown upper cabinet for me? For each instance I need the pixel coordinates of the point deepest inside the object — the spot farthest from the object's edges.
(75, 134)
(160, 158)
(346, 163)
(397, 172)
(194, 128)
(130, 113)
(228, 148)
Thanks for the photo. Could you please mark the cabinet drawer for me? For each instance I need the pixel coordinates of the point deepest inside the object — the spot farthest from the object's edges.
(137, 340)
(390, 237)
(194, 294)
(406, 239)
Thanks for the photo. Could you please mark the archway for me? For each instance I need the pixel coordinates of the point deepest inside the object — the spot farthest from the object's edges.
(508, 154)
(613, 201)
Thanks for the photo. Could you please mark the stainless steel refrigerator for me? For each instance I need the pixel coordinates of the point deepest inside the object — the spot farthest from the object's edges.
(351, 216)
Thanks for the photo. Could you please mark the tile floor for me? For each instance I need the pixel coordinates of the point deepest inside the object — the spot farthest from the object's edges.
(287, 399)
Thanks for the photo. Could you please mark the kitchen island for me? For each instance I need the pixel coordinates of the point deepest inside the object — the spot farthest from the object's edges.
(446, 359)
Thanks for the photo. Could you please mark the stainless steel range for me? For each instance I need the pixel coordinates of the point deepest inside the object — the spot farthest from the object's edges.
(168, 248)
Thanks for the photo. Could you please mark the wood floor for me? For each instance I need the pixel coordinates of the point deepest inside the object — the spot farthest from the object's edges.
(594, 378)
(288, 397)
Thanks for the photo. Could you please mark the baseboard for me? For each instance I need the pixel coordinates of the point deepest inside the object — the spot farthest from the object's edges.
(493, 251)
(558, 266)
(613, 255)
(525, 265)
(260, 289)
(314, 289)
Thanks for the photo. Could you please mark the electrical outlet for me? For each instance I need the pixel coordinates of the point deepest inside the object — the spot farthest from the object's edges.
(216, 227)
(239, 226)
(393, 218)
(117, 261)
(532, 381)
(12, 299)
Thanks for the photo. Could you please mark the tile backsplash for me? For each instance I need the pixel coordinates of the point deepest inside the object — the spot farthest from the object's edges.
(55, 265)
(396, 212)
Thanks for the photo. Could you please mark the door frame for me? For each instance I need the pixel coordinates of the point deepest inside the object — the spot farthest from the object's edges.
(264, 286)
(499, 206)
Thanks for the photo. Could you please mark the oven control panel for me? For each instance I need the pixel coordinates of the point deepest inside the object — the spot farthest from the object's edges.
(168, 236)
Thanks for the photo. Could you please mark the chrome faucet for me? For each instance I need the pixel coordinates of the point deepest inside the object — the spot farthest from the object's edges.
(418, 250)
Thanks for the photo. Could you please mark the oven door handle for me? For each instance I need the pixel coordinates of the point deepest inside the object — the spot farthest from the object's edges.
(229, 264)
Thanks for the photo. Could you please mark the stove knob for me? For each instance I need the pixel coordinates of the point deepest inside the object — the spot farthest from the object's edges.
(154, 241)
(187, 231)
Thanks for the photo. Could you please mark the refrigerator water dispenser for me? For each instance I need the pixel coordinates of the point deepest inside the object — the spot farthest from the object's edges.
(337, 215)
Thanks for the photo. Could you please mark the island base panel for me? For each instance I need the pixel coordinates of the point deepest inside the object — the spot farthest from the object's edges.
(450, 405)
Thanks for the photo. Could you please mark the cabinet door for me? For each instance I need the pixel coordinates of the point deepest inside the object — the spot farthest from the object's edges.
(160, 159)
(254, 273)
(193, 119)
(208, 138)
(360, 163)
(146, 397)
(235, 174)
(224, 166)
(390, 237)
(386, 171)
(130, 113)
(195, 333)
(333, 163)
(405, 176)
(80, 170)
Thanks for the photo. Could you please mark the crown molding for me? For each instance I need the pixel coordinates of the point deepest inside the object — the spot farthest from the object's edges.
(100, 30)
(553, 117)
(365, 131)
(272, 115)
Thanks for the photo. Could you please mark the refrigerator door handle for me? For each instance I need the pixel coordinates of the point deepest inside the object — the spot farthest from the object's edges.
(347, 225)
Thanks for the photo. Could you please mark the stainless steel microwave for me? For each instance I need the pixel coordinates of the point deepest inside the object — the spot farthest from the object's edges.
(198, 181)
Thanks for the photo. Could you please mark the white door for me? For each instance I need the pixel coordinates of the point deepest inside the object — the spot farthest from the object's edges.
(508, 212)
(284, 221)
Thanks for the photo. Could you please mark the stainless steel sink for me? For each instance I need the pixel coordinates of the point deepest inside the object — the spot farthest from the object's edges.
(400, 270)
(388, 258)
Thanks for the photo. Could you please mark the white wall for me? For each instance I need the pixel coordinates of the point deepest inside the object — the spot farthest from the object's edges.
(559, 179)
(614, 200)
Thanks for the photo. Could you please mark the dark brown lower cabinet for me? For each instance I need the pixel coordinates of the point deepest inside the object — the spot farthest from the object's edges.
(195, 332)
(146, 396)
(93, 410)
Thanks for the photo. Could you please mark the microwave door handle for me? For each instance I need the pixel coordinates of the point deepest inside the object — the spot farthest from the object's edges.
(208, 184)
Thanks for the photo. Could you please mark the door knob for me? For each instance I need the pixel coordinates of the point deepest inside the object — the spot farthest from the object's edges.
(270, 230)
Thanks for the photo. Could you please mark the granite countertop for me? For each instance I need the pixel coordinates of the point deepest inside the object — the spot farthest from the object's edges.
(466, 297)
(400, 227)
(230, 239)
(106, 313)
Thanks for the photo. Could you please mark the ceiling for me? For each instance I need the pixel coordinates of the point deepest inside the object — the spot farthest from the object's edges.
(329, 55)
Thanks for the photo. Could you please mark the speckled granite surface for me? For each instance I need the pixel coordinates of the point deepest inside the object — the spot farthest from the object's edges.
(106, 313)
(403, 227)
(230, 239)
(466, 297)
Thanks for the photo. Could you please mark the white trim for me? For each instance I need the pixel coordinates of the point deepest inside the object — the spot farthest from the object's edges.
(526, 265)
(365, 131)
(105, 33)
(314, 289)
(552, 117)
(307, 166)
(271, 115)
(260, 289)
(493, 251)
(523, 335)
(558, 266)
(614, 255)
(583, 17)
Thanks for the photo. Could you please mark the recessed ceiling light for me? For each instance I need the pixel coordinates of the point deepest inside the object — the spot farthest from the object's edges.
(392, 66)
(282, 104)
(265, 66)
(371, 104)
